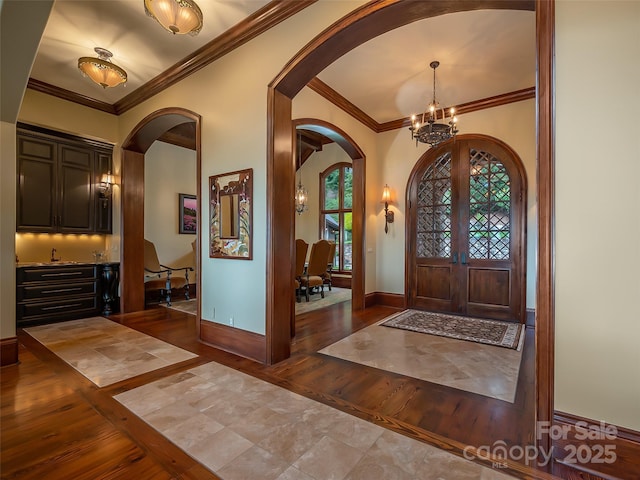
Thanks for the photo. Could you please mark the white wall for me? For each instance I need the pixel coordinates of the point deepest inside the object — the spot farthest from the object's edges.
(168, 171)
(597, 284)
(307, 223)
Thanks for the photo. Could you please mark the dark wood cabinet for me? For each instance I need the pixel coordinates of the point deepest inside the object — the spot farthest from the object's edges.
(58, 188)
(51, 293)
(48, 293)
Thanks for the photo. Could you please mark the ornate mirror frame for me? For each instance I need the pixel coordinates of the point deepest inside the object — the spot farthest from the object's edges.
(230, 215)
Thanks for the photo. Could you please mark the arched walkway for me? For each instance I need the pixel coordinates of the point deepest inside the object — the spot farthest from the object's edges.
(134, 148)
(363, 24)
(358, 160)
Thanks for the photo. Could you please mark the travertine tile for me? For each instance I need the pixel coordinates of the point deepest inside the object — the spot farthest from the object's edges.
(311, 441)
(106, 352)
(329, 459)
(219, 449)
(483, 369)
(254, 463)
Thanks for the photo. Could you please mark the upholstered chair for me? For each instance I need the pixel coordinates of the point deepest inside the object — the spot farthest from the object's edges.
(159, 278)
(314, 276)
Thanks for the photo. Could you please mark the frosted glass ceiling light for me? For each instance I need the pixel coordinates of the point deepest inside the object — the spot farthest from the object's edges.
(101, 70)
(176, 16)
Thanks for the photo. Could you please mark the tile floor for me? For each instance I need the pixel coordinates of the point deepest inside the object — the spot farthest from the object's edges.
(106, 352)
(241, 427)
(244, 428)
(484, 369)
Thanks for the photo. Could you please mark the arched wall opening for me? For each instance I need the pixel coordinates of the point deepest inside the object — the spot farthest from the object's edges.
(363, 24)
(150, 129)
(358, 160)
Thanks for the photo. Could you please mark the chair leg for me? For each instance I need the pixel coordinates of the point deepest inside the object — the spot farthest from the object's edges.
(322, 290)
(186, 291)
(306, 290)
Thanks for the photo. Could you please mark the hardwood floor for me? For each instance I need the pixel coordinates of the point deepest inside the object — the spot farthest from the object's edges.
(57, 424)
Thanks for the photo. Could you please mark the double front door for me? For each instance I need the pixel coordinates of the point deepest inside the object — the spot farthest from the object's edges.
(466, 230)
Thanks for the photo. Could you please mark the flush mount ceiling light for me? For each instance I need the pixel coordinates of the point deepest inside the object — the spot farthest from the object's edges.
(101, 70)
(176, 16)
(426, 129)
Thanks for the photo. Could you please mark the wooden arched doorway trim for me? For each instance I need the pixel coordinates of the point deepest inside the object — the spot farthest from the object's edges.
(361, 25)
(150, 129)
(358, 160)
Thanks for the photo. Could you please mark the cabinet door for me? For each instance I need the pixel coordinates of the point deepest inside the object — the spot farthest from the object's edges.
(76, 189)
(36, 207)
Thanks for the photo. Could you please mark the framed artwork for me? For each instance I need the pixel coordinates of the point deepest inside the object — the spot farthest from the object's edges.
(187, 213)
(230, 197)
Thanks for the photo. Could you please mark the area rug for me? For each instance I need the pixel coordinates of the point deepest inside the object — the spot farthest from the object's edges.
(336, 295)
(479, 330)
(106, 352)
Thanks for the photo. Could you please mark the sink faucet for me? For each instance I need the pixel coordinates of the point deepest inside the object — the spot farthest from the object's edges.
(53, 253)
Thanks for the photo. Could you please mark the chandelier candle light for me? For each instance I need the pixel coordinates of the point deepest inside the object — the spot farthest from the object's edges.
(427, 130)
(301, 192)
(176, 16)
(101, 70)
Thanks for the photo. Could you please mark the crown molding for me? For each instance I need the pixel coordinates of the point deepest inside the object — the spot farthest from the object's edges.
(476, 105)
(254, 25)
(341, 102)
(74, 97)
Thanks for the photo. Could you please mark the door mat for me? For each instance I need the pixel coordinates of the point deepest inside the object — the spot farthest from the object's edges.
(479, 330)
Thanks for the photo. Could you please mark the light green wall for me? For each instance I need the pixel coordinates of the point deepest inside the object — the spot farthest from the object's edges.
(597, 285)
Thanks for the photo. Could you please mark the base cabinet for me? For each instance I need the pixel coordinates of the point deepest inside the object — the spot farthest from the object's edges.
(51, 293)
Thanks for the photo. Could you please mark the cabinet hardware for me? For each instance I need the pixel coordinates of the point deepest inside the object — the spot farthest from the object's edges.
(63, 274)
(463, 258)
(455, 258)
(58, 307)
(61, 290)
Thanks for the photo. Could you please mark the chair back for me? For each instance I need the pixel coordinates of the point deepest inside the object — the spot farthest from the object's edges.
(318, 258)
(301, 256)
(332, 255)
(151, 261)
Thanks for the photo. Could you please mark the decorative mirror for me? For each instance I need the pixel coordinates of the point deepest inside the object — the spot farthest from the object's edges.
(230, 214)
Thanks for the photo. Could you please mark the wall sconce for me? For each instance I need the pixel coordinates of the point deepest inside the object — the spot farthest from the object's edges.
(388, 216)
(106, 182)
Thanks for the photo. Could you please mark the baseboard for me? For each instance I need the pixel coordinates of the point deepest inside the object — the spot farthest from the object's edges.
(595, 447)
(530, 318)
(234, 340)
(387, 299)
(8, 351)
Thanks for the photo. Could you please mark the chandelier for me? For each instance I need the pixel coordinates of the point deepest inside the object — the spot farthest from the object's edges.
(176, 16)
(101, 70)
(425, 129)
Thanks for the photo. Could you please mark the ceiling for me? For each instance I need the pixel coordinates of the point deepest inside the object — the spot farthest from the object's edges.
(481, 53)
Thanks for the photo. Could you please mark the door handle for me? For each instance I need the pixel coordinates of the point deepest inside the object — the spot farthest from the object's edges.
(463, 258)
(455, 258)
